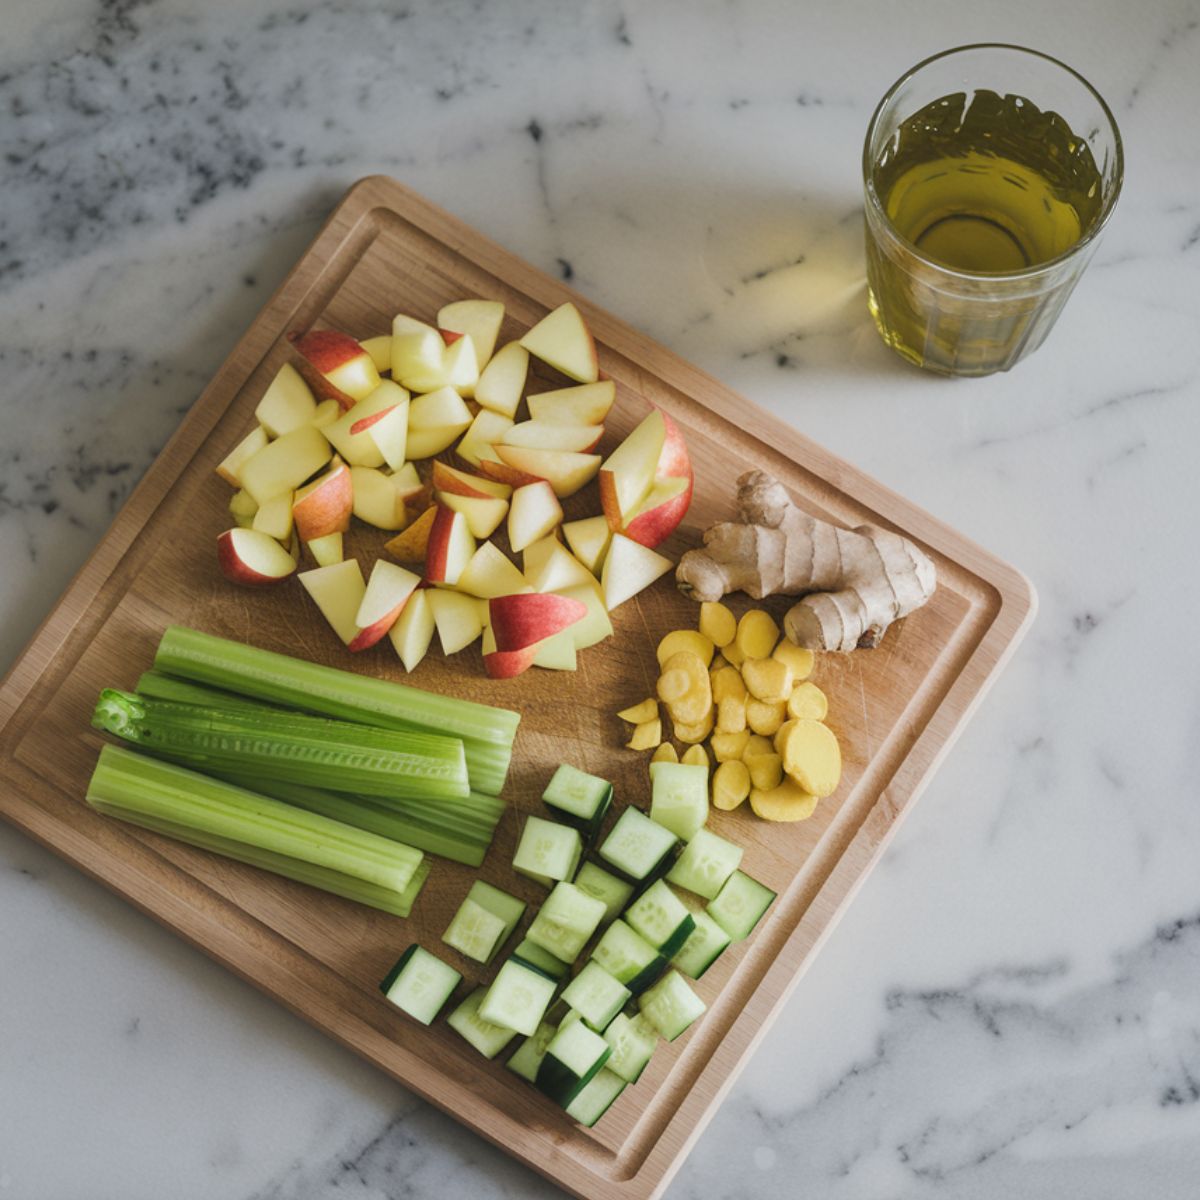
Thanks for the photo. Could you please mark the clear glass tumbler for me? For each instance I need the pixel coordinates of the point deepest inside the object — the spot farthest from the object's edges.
(972, 294)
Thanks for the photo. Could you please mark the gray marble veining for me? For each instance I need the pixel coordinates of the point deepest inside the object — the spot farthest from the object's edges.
(1012, 1005)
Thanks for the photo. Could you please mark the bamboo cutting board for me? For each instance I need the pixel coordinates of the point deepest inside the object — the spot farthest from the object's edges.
(896, 710)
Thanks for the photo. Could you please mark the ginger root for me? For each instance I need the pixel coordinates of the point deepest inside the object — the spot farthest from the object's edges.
(855, 582)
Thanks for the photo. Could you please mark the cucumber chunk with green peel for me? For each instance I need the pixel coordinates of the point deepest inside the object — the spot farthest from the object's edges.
(670, 1005)
(602, 884)
(661, 918)
(706, 863)
(596, 1097)
(633, 1040)
(500, 904)
(639, 848)
(487, 1038)
(574, 1056)
(739, 905)
(679, 797)
(596, 996)
(420, 984)
(474, 931)
(531, 1051)
(628, 957)
(566, 921)
(579, 799)
(518, 997)
(547, 851)
(541, 960)
(706, 943)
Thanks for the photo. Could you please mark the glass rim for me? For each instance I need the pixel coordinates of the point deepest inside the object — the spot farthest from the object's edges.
(1020, 272)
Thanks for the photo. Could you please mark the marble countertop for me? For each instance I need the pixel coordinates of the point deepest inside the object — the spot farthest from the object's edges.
(1011, 1007)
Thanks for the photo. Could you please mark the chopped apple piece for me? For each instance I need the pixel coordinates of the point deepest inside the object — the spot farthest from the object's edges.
(253, 559)
(450, 479)
(627, 474)
(437, 409)
(506, 664)
(556, 653)
(589, 540)
(551, 567)
(491, 573)
(457, 369)
(389, 432)
(584, 404)
(408, 483)
(376, 499)
(413, 630)
(450, 547)
(284, 464)
(326, 413)
(326, 550)
(640, 488)
(242, 507)
(388, 591)
(417, 349)
(230, 467)
(351, 432)
(596, 625)
(338, 591)
(629, 567)
(480, 320)
(324, 506)
(380, 350)
(562, 339)
(502, 381)
(526, 618)
(458, 619)
(413, 543)
(286, 404)
(549, 435)
(534, 511)
(487, 429)
(340, 360)
(565, 470)
(275, 517)
(483, 513)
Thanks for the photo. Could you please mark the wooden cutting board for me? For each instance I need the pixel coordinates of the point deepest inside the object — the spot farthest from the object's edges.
(896, 709)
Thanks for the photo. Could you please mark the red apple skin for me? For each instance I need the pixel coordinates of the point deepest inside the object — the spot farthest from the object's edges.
(506, 664)
(239, 572)
(527, 618)
(321, 388)
(457, 483)
(437, 551)
(655, 525)
(449, 336)
(503, 473)
(365, 638)
(365, 423)
(327, 349)
(327, 508)
(674, 462)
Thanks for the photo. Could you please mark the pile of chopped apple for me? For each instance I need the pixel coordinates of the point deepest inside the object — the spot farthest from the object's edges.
(336, 439)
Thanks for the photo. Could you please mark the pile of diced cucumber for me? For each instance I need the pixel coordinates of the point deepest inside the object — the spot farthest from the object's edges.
(586, 1033)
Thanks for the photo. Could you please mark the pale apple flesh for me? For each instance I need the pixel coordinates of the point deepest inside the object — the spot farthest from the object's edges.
(629, 568)
(483, 513)
(324, 506)
(533, 512)
(340, 359)
(286, 404)
(450, 546)
(376, 500)
(588, 539)
(388, 591)
(326, 550)
(550, 435)
(491, 573)
(449, 479)
(252, 559)
(284, 464)
(562, 340)
(412, 633)
(502, 381)
(275, 517)
(566, 471)
(480, 320)
(458, 617)
(646, 483)
(486, 429)
(584, 404)
(337, 591)
(230, 467)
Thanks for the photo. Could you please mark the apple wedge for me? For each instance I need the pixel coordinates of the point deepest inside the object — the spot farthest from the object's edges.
(275, 517)
(412, 545)
(450, 546)
(230, 467)
(566, 471)
(502, 381)
(483, 513)
(507, 664)
(350, 434)
(596, 624)
(434, 421)
(326, 550)
(413, 631)
(417, 349)
(562, 340)
(284, 464)
(556, 653)
(408, 483)
(491, 573)
(326, 413)
(252, 559)
(340, 361)
(480, 320)
(647, 461)
(548, 435)
(527, 618)
(487, 428)
(588, 539)
(584, 404)
(457, 368)
(242, 508)
(458, 617)
(324, 506)
(286, 404)
(388, 591)
(376, 500)
(449, 479)
(389, 432)
(380, 350)
(629, 567)
(338, 592)
(550, 567)
(533, 512)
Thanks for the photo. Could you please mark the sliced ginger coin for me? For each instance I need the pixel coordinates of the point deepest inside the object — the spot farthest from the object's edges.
(696, 756)
(787, 802)
(766, 770)
(646, 735)
(811, 756)
(665, 753)
(807, 700)
(684, 686)
(730, 785)
(693, 734)
(796, 657)
(717, 623)
(728, 746)
(685, 639)
(767, 679)
(764, 717)
(758, 745)
(757, 634)
(639, 714)
(727, 684)
(731, 715)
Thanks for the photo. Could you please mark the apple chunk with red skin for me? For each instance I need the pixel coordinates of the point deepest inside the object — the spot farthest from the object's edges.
(451, 546)
(339, 360)
(449, 479)
(324, 506)
(562, 340)
(338, 592)
(527, 618)
(253, 559)
(388, 591)
(639, 489)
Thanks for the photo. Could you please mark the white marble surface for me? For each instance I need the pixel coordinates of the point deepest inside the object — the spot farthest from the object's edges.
(1012, 1005)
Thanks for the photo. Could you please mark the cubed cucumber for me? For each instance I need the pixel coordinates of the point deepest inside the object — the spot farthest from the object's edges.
(628, 957)
(595, 1098)
(531, 1051)
(598, 882)
(706, 863)
(679, 797)
(419, 984)
(487, 1038)
(579, 799)
(633, 1040)
(639, 848)
(661, 918)
(670, 1005)
(704, 946)
(575, 1054)
(567, 919)
(595, 995)
(518, 997)
(474, 931)
(547, 851)
(541, 960)
(740, 904)
(500, 904)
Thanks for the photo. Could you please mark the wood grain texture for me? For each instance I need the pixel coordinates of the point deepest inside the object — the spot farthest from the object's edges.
(896, 710)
